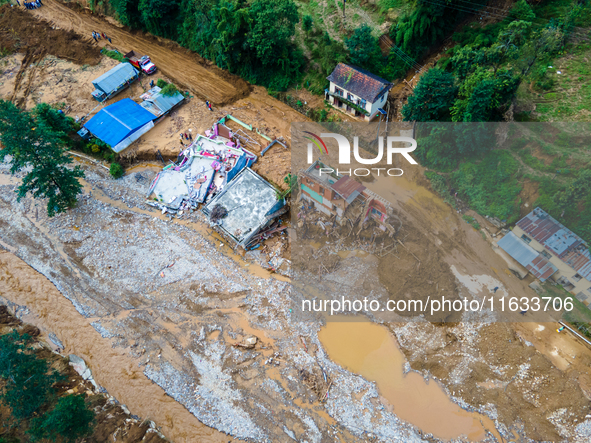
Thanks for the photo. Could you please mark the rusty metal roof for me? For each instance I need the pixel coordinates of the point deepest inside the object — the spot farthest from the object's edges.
(358, 81)
(558, 240)
(346, 186)
(541, 268)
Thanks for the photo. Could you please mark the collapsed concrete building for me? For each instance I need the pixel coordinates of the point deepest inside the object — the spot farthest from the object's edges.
(214, 170)
(333, 194)
(251, 204)
(204, 168)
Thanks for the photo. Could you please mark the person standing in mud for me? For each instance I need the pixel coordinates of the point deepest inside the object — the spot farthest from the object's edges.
(94, 37)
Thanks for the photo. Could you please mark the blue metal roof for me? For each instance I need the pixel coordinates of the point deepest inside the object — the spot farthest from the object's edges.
(117, 121)
(111, 80)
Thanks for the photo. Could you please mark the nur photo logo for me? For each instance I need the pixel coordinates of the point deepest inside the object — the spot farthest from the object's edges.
(391, 143)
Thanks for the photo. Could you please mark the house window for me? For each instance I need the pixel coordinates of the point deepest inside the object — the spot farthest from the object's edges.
(321, 191)
(375, 212)
(338, 91)
(349, 97)
(546, 254)
(525, 238)
(589, 290)
(577, 277)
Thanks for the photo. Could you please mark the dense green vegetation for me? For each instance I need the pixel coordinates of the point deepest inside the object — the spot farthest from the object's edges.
(28, 388)
(251, 39)
(261, 40)
(478, 80)
(37, 141)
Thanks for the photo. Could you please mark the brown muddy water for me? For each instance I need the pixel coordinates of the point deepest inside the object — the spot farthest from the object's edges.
(370, 350)
(112, 368)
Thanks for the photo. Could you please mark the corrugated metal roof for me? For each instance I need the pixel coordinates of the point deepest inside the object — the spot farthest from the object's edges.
(560, 241)
(159, 104)
(115, 122)
(527, 256)
(517, 249)
(358, 81)
(541, 268)
(113, 79)
(346, 186)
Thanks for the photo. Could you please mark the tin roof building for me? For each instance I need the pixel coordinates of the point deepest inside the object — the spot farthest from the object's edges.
(159, 104)
(547, 248)
(114, 80)
(120, 124)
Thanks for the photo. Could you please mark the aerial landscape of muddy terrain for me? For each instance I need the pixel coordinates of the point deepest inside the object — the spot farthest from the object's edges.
(192, 338)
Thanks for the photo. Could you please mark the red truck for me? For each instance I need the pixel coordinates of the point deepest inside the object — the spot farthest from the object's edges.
(142, 62)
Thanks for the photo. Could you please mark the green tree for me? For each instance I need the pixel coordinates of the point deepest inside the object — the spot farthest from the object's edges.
(53, 119)
(160, 17)
(522, 11)
(429, 22)
(273, 25)
(232, 26)
(33, 143)
(543, 43)
(433, 97)
(574, 191)
(70, 419)
(328, 53)
(363, 48)
(169, 90)
(27, 379)
(484, 95)
(116, 170)
(307, 23)
(128, 12)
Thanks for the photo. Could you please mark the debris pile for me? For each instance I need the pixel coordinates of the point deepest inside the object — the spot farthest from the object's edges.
(202, 170)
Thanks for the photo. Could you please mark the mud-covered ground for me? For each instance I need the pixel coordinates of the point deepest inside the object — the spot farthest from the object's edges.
(168, 296)
(176, 300)
(143, 298)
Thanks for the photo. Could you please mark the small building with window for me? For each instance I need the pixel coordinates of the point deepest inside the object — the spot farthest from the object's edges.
(547, 248)
(330, 193)
(356, 91)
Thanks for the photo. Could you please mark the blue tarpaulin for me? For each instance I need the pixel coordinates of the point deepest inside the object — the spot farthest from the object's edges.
(120, 124)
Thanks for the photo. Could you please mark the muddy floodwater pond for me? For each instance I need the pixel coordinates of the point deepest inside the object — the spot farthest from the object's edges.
(370, 350)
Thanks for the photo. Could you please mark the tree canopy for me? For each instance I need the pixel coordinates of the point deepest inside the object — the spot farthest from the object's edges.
(433, 97)
(35, 140)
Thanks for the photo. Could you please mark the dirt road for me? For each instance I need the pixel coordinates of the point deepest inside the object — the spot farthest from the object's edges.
(188, 69)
